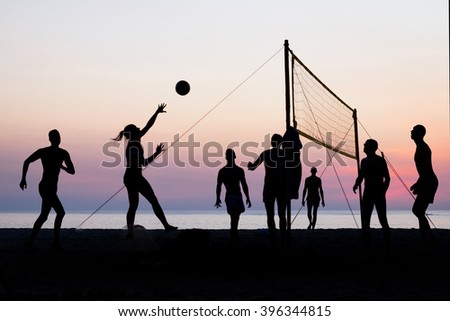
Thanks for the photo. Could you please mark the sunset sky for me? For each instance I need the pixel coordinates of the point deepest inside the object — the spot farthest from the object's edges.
(88, 68)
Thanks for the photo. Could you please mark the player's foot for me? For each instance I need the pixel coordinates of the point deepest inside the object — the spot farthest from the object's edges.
(170, 228)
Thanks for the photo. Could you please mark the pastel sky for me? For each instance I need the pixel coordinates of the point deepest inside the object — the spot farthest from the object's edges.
(88, 68)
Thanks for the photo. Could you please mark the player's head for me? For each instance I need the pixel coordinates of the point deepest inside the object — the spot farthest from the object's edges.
(131, 131)
(418, 132)
(230, 156)
(370, 146)
(313, 170)
(276, 139)
(54, 137)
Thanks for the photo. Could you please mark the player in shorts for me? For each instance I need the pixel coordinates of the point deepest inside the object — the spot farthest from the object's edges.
(232, 176)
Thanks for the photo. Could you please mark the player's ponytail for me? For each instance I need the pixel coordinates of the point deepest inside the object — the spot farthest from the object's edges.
(119, 137)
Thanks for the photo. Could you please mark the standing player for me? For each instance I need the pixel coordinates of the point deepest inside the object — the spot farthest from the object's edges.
(52, 159)
(313, 187)
(232, 176)
(133, 179)
(426, 186)
(376, 178)
(274, 190)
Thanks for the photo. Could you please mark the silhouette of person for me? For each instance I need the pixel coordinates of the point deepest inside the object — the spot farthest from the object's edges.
(232, 176)
(426, 186)
(313, 188)
(133, 179)
(53, 159)
(291, 148)
(376, 178)
(274, 185)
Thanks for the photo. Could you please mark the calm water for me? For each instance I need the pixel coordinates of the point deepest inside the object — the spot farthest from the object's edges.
(253, 219)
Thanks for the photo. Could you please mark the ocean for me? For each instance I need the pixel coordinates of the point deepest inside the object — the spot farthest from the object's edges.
(219, 219)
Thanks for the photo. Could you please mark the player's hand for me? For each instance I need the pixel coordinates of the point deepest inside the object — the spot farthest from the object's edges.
(413, 189)
(249, 203)
(161, 108)
(218, 203)
(23, 185)
(159, 149)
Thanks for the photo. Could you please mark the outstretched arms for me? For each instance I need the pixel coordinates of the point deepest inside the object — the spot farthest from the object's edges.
(152, 120)
(159, 149)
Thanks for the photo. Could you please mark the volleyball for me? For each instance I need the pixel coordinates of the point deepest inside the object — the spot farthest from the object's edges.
(182, 87)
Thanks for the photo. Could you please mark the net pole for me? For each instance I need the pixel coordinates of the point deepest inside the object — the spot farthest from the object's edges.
(287, 83)
(288, 122)
(358, 164)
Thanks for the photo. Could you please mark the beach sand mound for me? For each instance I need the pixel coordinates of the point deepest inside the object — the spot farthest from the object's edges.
(204, 265)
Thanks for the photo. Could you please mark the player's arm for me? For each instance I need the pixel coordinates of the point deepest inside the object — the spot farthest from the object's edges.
(252, 166)
(245, 189)
(152, 120)
(321, 192)
(218, 190)
(69, 168)
(159, 150)
(387, 177)
(305, 187)
(360, 177)
(26, 164)
(357, 184)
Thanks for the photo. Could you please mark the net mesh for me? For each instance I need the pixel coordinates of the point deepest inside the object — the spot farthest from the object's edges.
(320, 115)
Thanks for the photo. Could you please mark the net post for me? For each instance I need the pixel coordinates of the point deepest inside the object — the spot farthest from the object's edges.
(287, 83)
(358, 164)
(288, 123)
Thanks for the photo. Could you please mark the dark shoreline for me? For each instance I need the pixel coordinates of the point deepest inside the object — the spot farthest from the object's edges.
(325, 264)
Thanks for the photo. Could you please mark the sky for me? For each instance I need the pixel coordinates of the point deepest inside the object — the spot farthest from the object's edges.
(88, 68)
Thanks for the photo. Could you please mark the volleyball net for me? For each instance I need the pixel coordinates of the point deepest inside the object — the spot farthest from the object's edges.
(319, 114)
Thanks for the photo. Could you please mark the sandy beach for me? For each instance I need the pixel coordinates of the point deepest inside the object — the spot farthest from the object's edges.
(328, 264)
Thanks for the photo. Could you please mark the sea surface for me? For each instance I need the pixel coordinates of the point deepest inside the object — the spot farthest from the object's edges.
(212, 219)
